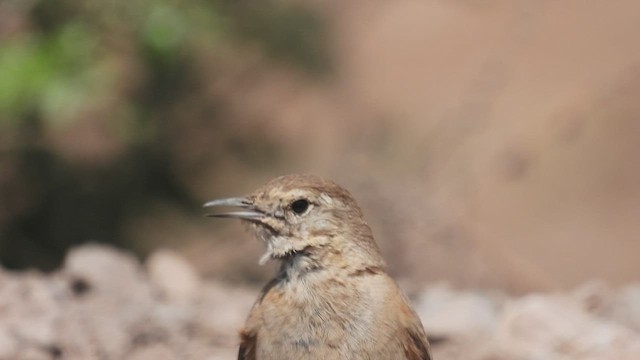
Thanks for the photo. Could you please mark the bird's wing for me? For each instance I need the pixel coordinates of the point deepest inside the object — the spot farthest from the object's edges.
(416, 346)
(247, 350)
(414, 339)
(249, 335)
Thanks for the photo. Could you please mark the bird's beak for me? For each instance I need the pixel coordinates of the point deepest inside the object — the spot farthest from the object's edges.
(248, 212)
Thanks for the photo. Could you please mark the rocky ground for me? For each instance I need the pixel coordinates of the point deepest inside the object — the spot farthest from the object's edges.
(105, 304)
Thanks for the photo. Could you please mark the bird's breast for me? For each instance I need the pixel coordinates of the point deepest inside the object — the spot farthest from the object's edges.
(322, 314)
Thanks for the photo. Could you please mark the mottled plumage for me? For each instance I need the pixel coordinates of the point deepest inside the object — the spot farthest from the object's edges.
(331, 298)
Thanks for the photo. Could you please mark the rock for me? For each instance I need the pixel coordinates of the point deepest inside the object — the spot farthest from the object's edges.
(557, 327)
(8, 343)
(28, 313)
(155, 352)
(173, 277)
(223, 312)
(102, 268)
(625, 307)
(448, 313)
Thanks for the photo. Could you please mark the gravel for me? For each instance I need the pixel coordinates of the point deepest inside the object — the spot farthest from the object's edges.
(105, 304)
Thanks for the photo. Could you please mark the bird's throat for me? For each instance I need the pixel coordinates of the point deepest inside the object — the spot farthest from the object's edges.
(281, 250)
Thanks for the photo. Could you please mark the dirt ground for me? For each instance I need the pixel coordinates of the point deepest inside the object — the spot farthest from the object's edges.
(104, 304)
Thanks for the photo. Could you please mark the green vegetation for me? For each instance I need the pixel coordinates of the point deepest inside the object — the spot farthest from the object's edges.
(139, 72)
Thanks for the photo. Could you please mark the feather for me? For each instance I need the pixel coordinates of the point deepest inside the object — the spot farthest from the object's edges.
(416, 346)
(248, 340)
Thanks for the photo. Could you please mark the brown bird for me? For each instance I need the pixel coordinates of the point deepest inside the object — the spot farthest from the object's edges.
(331, 298)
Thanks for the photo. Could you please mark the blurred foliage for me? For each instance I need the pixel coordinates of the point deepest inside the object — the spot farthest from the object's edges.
(42, 72)
(96, 97)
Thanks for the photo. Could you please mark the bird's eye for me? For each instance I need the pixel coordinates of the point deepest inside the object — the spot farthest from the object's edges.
(300, 206)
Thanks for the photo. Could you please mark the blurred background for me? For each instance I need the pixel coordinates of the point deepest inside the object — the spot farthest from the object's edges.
(494, 147)
(491, 144)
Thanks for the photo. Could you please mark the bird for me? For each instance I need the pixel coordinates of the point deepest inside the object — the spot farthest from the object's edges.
(331, 297)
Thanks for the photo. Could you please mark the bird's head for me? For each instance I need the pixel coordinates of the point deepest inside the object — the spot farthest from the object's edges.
(304, 214)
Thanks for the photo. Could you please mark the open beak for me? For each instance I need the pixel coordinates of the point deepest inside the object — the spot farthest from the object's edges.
(248, 212)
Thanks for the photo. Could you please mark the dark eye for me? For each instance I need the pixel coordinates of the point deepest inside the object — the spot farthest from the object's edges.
(300, 206)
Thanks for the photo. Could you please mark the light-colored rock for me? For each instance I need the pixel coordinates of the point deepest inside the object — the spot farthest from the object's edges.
(625, 307)
(173, 277)
(155, 352)
(450, 313)
(33, 353)
(557, 327)
(103, 268)
(8, 343)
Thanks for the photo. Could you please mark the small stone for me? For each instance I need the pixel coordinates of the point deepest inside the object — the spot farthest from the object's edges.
(173, 276)
(102, 268)
(448, 313)
(154, 352)
(8, 344)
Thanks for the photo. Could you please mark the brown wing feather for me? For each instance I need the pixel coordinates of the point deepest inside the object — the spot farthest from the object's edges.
(414, 339)
(249, 335)
(247, 349)
(416, 346)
